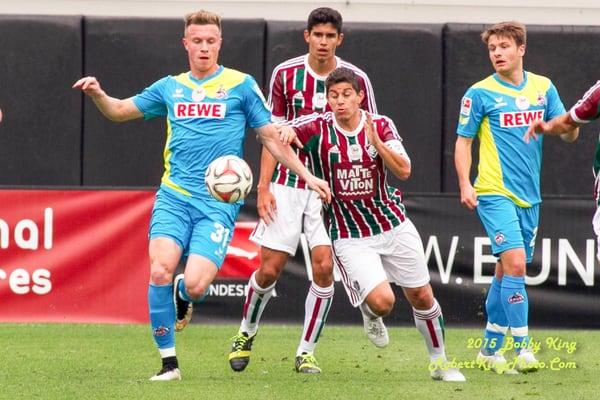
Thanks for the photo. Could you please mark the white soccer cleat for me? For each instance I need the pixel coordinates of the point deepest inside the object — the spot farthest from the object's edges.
(376, 331)
(495, 362)
(447, 375)
(172, 374)
(526, 362)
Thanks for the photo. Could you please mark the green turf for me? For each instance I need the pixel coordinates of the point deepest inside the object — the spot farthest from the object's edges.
(110, 362)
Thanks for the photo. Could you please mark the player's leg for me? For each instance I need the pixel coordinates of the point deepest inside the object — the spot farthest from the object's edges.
(596, 225)
(512, 234)
(278, 241)
(167, 237)
(513, 290)
(366, 284)
(320, 293)
(404, 262)
(491, 355)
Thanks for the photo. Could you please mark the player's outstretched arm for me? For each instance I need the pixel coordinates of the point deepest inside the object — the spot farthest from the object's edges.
(462, 162)
(114, 109)
(269, 136)
(563, 125)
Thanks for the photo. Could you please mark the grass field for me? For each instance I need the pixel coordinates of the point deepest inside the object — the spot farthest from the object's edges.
(109, 362)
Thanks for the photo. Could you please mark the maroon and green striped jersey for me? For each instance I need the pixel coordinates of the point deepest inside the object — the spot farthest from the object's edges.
(585, 110)
(296, 90)
(362, 202)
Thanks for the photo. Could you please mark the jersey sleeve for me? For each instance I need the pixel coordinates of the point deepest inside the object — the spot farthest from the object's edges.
(471, 114)
(368, 102)
(151, 101)
(306, 127)
(255, 106)
(588, 107)
(276, 97)
(389, 135)
(555, 105)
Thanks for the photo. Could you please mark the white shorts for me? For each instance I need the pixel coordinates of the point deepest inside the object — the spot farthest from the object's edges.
(396, 255)
(596, 225)
(297, 209)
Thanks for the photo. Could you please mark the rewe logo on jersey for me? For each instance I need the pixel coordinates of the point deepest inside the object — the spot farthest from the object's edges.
(200, 110)
(520, 118)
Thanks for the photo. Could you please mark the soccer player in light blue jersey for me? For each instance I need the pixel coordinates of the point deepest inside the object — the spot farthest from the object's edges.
(506, 193)
(207, 109)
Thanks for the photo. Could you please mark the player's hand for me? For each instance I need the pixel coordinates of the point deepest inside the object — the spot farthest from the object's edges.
(468, 197)
(537, 126)
(266, 205)
(370, 131)
(321, 187)
(287, 135)
(90, 86)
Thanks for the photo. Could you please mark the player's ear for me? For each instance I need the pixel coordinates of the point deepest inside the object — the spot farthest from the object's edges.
(361, 95)
(184, 42)
(340, 39)
(521, 50)
(306, 35)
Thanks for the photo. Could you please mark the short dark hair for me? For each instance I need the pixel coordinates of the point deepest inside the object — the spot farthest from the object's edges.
(325, 15)
(340, 75)
(202, 17)
(510, 29)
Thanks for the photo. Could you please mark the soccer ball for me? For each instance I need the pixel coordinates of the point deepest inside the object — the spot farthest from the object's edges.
(228, 179)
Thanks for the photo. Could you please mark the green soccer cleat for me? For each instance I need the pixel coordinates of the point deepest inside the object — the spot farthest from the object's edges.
(239, 357)
(183, 309)
(307, 364)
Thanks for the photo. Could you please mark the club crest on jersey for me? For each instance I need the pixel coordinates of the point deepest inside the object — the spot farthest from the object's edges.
(371, 151)
(499, 238)
(355, 152)
(178, 93)
(541, 99)
(465, 106)
(198, 94)
(319, 100)
(221, 93)
(515, 298)
(522, 103)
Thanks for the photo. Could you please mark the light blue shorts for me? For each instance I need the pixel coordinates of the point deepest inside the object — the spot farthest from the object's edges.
(202, 227)
(507, 225)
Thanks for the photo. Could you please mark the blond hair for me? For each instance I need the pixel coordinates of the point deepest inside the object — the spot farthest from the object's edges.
(202, 17)
(511, 29)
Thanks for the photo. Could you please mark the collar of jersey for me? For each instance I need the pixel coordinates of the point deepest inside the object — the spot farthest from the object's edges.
(203, 80)
(356, 131)
(510, 86)
(313, 73)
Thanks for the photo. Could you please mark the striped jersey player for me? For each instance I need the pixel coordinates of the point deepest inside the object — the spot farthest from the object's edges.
(285, 206)
(373, 240)
(296, 90)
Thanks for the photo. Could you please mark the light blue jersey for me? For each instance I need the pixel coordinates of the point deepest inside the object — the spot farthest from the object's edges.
(500, 113)
(206, 118)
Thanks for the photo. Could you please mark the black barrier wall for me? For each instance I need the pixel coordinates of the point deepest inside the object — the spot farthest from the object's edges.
(419, 74)
(40, 134)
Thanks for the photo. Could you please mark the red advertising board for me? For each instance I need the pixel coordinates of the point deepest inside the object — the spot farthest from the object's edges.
(82, 255)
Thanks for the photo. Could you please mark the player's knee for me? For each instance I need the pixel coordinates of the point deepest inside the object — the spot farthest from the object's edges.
(267, 274)
(382, 305)
(196, 292)
(161, 273)
(323, 272)
(515, 268)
